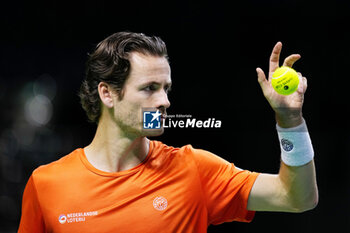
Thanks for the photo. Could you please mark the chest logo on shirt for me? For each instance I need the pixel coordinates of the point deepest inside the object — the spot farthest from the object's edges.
(160, 203)
(76, 217)
(62, 219)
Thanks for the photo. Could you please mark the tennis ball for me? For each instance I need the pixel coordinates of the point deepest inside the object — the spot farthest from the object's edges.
(285, 80)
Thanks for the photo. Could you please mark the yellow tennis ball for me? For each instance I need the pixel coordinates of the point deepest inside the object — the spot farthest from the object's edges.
(285, 80)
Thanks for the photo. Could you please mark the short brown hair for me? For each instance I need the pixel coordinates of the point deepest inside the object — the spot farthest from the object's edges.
(109, 63)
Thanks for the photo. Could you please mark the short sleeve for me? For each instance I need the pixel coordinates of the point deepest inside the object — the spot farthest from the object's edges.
(32, 218)
(225, 188)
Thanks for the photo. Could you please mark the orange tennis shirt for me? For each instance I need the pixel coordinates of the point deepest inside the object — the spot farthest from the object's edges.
(172, 190)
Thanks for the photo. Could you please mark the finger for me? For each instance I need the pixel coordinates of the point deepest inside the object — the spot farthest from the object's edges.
(304, 84)
(262, 79)
(290, 60)
(275, 57)
(301, 83)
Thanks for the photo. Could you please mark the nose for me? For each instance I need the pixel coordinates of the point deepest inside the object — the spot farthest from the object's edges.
(163, 100)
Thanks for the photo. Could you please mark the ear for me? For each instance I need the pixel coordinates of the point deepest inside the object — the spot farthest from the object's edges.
(106, 94)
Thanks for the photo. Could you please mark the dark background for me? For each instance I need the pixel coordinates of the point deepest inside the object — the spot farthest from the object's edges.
(214, 48)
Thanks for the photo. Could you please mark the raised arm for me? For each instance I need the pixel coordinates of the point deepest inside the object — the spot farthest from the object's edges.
(294, 188)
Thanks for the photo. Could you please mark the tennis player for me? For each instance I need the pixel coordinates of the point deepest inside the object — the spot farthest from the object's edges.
(125, 182)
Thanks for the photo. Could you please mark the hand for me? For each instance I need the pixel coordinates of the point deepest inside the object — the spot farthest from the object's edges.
(288, 108)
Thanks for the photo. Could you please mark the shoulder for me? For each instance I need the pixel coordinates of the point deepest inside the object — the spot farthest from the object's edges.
(56, 169)
(206, 163)
(188, 152)
(160, 148)
(170, 156)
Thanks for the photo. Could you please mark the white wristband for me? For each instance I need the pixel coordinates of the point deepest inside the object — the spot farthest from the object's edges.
(296, 147)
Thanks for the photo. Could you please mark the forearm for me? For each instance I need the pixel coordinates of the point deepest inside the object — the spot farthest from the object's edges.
(299, 186)
(294, 188)
(298, 179)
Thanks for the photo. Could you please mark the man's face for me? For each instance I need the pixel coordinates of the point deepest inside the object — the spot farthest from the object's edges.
(146, 87)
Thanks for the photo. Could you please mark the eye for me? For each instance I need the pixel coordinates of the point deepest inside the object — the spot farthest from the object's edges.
(151, 87)
(167, 89)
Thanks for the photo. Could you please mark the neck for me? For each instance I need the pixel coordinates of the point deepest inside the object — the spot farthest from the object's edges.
(112, 150)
